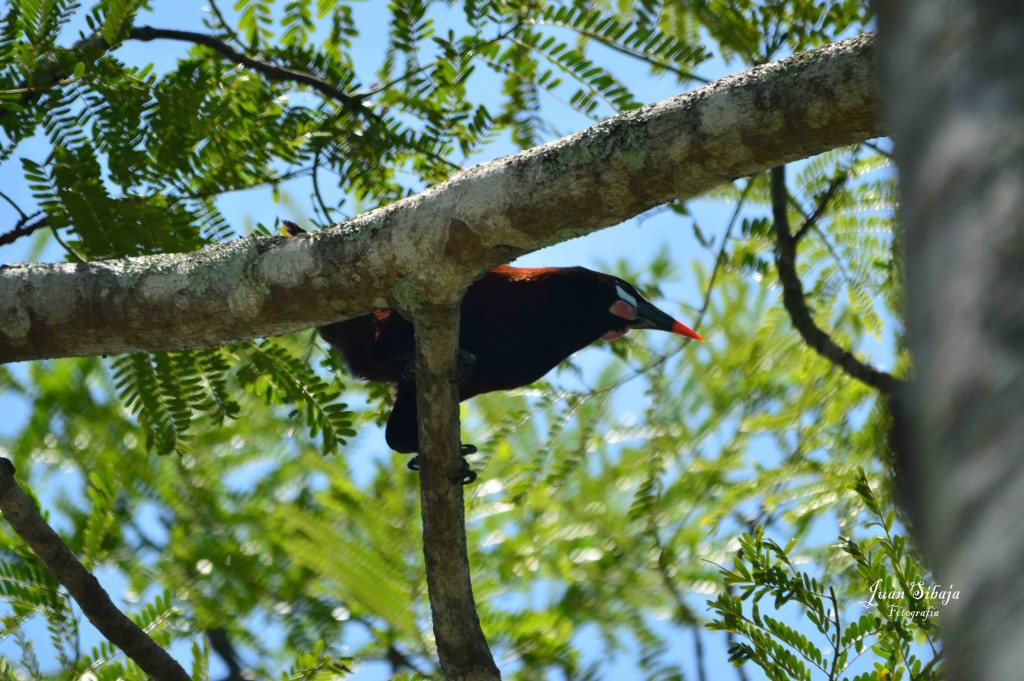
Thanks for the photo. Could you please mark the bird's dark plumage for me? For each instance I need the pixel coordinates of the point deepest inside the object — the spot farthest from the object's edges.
(517, 323)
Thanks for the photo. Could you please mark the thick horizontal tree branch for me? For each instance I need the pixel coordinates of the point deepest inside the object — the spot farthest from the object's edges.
(796, 304)
(430, 247)
(22, 515)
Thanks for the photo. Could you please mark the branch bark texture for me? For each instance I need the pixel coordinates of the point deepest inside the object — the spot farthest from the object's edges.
(22, 515)
(487, 215)
(956, 102)
(461, 645)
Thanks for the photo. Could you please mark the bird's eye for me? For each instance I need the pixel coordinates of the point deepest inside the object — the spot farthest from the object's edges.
(624, 296)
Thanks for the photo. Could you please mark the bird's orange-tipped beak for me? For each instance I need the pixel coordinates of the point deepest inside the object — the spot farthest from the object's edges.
(684, 330)
(650, 317)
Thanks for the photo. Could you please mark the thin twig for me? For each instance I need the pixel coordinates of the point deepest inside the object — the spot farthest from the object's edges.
(839, 633)
(75, 255)
(22, 228)
(685, 612)
(833, 252)
(812, 220)
(431, 64)
(730, 642)
(721, 253)
(15, 206)
(399, 660)
(270, 71)
(224, 647)
(796, 304)
(273, 72)
(225, 25)
(878, 150)
(316, 188)
(392, 655)
(843, 271)
(698, 651)
(23, 517)
(284, 177)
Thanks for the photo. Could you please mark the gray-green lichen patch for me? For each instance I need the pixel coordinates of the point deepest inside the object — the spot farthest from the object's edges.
(229, 269)
(128, 271)
(635, 160)
(16, 325)
(624, 137)
(226, 266)
(407, 297)
(568, 156)
(633, 148)
(360, 228)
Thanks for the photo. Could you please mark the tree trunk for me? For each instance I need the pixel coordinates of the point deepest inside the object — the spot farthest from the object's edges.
(956, 102)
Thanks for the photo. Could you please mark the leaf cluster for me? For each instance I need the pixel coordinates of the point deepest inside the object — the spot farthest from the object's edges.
(903, 645)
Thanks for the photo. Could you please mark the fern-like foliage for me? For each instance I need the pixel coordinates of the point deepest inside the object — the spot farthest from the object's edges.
(102, 518)
(318, 664)
(31, 590)
(255, 21)
(354, 572)
(640, 38)
(27, 587)
(167, 391)
(118, 18)
(762, 568)
(281, 379)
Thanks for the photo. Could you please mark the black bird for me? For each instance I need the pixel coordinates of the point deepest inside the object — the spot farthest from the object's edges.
(517, 324)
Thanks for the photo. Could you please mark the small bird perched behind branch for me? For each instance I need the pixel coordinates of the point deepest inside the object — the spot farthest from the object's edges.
(517, 324)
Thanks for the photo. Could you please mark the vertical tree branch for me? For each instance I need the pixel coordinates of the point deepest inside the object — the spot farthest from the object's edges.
(461, 645)
(22, 515)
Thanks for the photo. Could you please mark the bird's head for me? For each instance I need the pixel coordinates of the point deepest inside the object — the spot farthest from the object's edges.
(628, 309)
